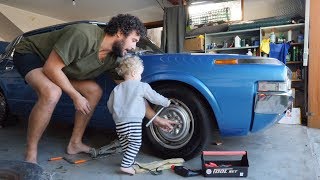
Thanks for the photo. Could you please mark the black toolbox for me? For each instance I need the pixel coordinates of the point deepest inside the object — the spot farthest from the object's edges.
(224, 163)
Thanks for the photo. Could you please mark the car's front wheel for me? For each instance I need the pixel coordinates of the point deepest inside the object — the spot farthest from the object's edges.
(191, 134)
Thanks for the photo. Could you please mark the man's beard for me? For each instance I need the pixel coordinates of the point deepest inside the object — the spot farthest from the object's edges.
(117, 48)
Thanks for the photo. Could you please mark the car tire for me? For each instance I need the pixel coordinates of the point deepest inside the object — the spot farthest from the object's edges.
(3, 109)
(188, 138)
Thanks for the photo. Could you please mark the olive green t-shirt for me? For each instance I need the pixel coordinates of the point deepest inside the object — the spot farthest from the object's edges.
(78, 46)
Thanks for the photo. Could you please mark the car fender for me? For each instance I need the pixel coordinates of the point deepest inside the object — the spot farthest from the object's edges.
(190, 80)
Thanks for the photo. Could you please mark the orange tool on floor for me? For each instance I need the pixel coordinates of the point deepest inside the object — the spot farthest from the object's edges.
(55, 158)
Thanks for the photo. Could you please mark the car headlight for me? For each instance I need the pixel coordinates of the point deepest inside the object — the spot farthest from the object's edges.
(274, 86)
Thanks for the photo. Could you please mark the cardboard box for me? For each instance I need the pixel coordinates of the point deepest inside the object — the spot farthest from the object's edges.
(194, 44)
(224, 163)
(292, 116)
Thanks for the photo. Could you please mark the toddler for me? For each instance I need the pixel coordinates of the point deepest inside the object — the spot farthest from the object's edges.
(127, 106)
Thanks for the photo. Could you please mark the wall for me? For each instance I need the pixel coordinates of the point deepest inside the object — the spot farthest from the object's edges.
(25, 20)
(314, 66)
(256, 9)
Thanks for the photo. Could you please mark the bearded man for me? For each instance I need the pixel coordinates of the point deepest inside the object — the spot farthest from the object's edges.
(68, 60)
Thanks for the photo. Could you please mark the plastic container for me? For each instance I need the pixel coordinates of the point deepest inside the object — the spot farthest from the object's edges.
(249, 52)
(272, 37)
(289, 35)
(237, 41)
(300, 38)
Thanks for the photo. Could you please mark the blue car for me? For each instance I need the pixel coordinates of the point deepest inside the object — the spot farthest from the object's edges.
(234, 94)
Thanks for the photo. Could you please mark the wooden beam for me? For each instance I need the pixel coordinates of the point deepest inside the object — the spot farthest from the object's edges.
(176, 2)
(314, 66)
(154, 24)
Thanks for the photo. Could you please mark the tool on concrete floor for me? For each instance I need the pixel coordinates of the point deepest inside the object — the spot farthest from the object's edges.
(112, 148)
(55, 158)
(77, 158)
(185, 172)
(104, 151)
(156, 167)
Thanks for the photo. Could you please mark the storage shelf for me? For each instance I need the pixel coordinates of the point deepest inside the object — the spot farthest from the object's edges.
(282, 28)
(232, 48)
(233, 32)
(293, 62)
(295, 44)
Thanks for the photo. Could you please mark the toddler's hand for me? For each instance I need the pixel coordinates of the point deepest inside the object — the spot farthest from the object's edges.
(165, 124)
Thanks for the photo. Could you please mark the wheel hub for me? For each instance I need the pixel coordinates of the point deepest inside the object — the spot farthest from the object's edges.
(181, 133)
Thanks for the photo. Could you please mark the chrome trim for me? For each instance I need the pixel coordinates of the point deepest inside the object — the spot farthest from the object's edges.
(260, 60)
(273, 102)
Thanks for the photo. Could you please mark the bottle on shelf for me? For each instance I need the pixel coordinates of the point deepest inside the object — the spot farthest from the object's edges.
(289, 35)
(272, 37)
(254, 52)
(237, 41)
(288, 56)
(249, 52)
(298, 73)
(293, 55)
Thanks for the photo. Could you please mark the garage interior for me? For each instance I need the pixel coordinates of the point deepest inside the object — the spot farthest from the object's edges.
(287, 150)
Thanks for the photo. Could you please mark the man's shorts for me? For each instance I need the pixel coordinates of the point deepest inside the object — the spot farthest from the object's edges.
(25, 63)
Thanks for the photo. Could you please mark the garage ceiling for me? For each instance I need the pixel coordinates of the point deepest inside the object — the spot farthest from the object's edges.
(84, 9)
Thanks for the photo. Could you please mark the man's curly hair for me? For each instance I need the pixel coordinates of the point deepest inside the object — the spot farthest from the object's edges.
(126, 23)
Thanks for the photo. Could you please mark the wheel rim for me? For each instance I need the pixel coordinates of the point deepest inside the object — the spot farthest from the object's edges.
(181, 133)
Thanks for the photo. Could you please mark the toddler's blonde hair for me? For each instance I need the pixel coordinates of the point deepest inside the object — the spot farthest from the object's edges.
(129, 64)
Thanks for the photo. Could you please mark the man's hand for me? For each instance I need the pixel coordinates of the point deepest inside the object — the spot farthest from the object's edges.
(164, 124)
(81, 104)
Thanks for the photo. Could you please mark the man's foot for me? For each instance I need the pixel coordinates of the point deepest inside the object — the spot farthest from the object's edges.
(77, 148)
(128, 170)
(31, 157)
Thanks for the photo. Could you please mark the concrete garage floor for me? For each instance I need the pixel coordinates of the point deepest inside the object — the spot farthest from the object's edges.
(281, 152)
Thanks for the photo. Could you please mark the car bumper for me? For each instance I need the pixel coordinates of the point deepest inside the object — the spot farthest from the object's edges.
(269, 108)
(273, 102)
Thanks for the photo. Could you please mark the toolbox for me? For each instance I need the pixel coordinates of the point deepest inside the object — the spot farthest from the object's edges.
(225, 163)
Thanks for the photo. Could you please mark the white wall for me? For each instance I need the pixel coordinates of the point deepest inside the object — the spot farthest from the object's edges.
(26, 20)
(257, 9)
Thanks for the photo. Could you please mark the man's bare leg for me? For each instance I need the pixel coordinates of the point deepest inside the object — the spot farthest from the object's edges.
(48, 96)
(92, 92)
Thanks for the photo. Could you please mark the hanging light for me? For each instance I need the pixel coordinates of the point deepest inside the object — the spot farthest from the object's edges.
(74, 2)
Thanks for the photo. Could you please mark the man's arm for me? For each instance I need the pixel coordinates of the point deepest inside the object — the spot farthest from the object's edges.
(53, 70)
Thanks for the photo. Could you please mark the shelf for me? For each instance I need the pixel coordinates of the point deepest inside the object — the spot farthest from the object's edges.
(232, 48)
(233, 32)
(293, 62)
(282, 28)
(296, 44)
